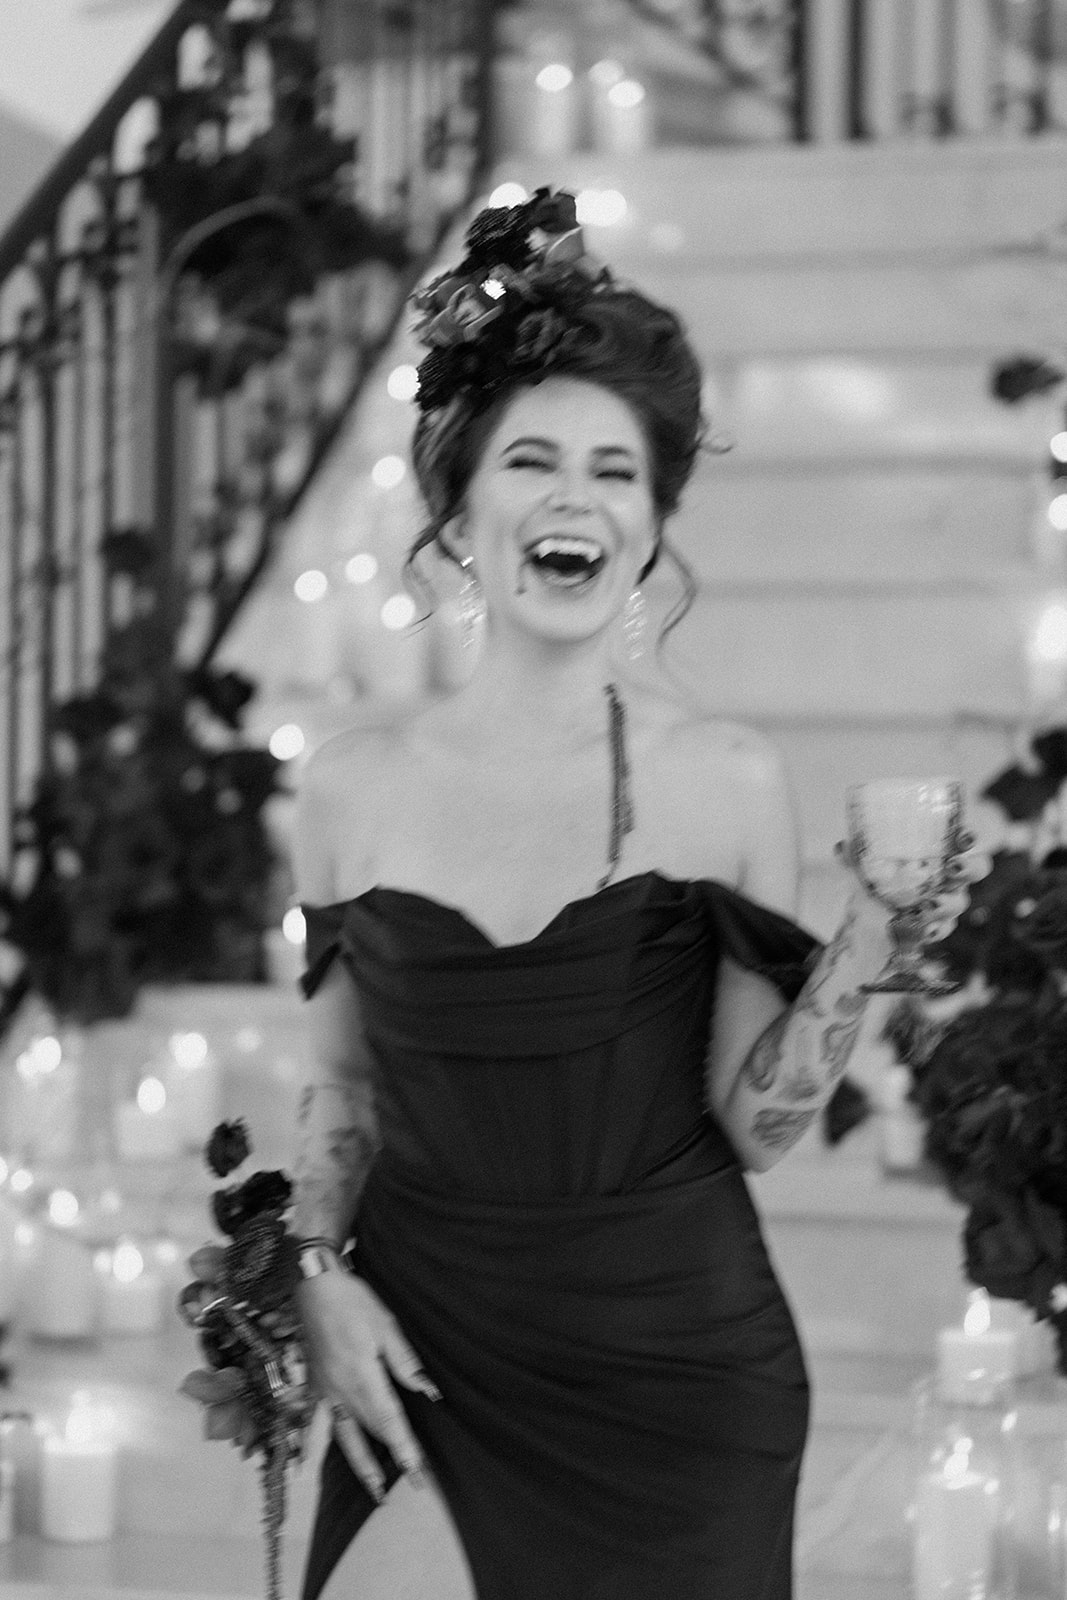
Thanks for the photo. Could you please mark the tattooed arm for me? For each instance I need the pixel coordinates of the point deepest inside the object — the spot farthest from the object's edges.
(774, 1090)
(337, 1133)
(771, 1069)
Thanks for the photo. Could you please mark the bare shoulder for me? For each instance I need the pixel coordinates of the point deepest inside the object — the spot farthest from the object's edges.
(339, 801)
(735, 796)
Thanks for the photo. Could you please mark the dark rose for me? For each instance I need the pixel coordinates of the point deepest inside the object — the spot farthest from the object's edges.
(536, 334)
(1021, 795)
(224, 693)
(1050, 748)
(1023, 375)
(553, 213)
(1001, 1253)
(1044, 928)
(262, 1196)
(228, 1146)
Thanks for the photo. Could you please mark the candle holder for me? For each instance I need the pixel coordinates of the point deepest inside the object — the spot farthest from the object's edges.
(966, 1477)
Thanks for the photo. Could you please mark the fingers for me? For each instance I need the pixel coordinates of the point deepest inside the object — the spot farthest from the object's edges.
(387, 1422)
(358, 1454)
(406, 1367)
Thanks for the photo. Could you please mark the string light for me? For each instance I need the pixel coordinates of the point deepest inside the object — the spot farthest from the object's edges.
(398, 612)
(151, 1096)
(600, 208)
(63, 1208)
(286, 742)
(188, 1049)
(388, 471)
(508, 194)
(403, 382)
(362, 568)
(311, 585)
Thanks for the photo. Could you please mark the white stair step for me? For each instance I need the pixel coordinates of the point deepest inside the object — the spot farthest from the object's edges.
(988, 304)
(887, 199)
(902, 656)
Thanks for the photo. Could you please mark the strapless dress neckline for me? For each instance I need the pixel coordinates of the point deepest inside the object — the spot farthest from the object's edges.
(417, 897)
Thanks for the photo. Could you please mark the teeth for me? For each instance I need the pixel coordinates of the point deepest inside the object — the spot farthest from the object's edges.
(566, 545)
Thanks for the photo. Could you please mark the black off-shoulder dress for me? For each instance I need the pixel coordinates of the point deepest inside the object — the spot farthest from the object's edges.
(565, 1236)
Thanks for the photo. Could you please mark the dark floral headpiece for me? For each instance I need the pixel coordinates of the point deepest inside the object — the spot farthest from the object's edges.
(509, 306)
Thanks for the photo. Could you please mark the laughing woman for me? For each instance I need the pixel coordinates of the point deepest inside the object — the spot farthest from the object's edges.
(560, 1003)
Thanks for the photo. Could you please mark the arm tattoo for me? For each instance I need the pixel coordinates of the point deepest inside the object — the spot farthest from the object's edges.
(840, 1037)
(839, 944)
(761, 1065)
(336, 1148)
(779, 1129)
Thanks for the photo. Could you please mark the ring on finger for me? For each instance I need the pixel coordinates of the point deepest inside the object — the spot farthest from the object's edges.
(338, 1412)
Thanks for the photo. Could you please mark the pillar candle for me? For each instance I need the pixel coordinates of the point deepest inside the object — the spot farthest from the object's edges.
(78, 1480)
(553, 120)
(622, 119)
(954, 1521)
(973, 1366)
(62, 1288)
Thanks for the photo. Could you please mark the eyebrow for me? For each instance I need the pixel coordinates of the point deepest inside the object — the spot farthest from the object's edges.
(551, 444)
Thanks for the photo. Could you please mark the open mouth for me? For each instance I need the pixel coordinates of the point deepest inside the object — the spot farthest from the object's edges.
(566, 561)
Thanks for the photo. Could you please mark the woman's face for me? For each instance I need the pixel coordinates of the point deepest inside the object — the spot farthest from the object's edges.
(559, 514)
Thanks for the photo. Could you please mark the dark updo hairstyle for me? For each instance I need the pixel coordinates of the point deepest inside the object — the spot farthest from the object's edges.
(625, 343)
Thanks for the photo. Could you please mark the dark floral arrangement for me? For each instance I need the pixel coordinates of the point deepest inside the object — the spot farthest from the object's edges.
(242, 1304)
(508, 306)
(991, 1082)
(142, 855)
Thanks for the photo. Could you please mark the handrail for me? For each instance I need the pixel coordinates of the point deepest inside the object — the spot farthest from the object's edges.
(189, 306)
(34, 216)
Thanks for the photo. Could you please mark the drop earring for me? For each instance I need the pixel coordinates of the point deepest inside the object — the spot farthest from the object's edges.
(471, 604)
(634, 624)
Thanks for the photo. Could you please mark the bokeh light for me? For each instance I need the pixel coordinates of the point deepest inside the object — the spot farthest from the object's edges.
(1058, 446)
(605, 73)
(600, 208)
(311, 585)
(151, 1096)
(362, 568)
(627, 93)
(508, 194)
(388, 471)
(286, 742)
(403, 382)
(1057, 512)
(398, 612)
(63, 1208)
(555, 77)
(188, 1049)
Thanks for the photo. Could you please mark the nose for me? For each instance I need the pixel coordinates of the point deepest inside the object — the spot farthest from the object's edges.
(570, 491)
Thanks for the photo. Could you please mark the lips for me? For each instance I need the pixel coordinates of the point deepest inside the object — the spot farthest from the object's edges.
(569, 557)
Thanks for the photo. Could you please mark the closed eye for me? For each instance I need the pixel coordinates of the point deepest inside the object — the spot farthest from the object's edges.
(529, 461)
(627, 474)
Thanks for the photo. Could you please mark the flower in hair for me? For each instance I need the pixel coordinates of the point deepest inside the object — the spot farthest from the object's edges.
(510, 304)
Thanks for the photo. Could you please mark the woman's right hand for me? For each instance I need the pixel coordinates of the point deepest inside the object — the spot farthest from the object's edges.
(353, 1345)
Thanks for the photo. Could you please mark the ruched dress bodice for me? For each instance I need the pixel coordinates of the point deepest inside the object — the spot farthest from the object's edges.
(563, 1230)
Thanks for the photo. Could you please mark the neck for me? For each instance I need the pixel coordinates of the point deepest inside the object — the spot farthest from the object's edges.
(532, 692)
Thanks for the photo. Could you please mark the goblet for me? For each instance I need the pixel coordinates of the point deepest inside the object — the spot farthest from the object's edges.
(903, 833)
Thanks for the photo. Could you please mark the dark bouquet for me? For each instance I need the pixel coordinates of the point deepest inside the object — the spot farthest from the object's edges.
(992, 1086)
(243, 1305)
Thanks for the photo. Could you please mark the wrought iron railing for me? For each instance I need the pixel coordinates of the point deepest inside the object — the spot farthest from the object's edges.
(878, 69)
(188, 305)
